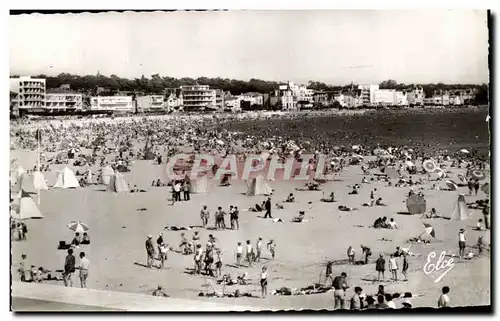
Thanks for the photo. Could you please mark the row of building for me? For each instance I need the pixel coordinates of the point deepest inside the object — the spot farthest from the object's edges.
(30, 94)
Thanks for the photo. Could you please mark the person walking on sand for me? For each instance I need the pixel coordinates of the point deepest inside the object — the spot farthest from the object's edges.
(69, 268)
(461, 243)
(258, 250)
(204, 215)
(84, 269)
(380, 267)
(404, 271)
(267, 206)
(239, 254)
(150, 251)
(271, 246)
(263, 281)
(393, 264)
(250, 253)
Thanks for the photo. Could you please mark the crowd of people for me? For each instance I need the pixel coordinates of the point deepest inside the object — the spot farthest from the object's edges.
(89, 143)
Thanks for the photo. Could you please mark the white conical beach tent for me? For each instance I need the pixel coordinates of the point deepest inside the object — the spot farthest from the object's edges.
(66, 179)
(118, 184)
(461, 211)
(27, 208)
(107, 173)
(199, 185)
(39, 181)
(258, 186)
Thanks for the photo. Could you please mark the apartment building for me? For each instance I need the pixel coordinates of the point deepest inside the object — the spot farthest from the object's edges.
(63, 100)
(198, 98)
(31, 93)
(119, 104)
(253, 98)
(367, 94)
(151, 103)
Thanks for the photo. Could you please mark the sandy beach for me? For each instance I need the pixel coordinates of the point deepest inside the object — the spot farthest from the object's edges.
(118, 231)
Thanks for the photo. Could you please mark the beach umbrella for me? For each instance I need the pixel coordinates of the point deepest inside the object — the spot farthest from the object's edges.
(429, 229)
(486, 188)
(451, 184)
(429, 166)
(477, 174)
(78, 227)
(416, 204)
(465, 151)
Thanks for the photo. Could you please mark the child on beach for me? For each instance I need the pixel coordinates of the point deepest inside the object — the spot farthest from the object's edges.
(163, 254)
(258, 248)
(197, 258)
(393, 264)
(250, 254)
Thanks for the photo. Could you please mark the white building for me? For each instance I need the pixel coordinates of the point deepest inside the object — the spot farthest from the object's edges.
(31, 92)
(368, 94)
(233, 104)
(151, 103)
(59, 100)
(416, 96)
(198, 98)
(253, 98)
(112, 103)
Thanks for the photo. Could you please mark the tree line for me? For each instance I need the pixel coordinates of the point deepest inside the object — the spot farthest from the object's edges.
(156, 84)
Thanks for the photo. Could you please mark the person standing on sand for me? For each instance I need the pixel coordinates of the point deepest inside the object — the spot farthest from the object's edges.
(351, 254)
(476, 186)
(186, 189)
(150, 251)
(271, 246)
(198, 255)
(22, 268)
(461, 243)
(69, 268)
(159, 242)
(340, 285)
(250, 253)
(263, 281)
(84, 269)
(393, 264)
(380, 267)
(239, 254)
(258, 249)
(204, 215)
(470, 185)
(268, 208)
(177, 190)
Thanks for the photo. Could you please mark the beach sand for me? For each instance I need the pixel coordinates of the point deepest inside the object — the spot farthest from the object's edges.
(118, 232)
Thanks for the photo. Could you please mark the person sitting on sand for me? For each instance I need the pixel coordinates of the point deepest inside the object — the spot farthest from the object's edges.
(85, 239)
(290, 198)
(392, 224)
(330, 199)
(76, 240)
(300, 218)
(354, 191)
(378, 202)
(279, 206)
(225, 180)
(479, 226)
(159, 292)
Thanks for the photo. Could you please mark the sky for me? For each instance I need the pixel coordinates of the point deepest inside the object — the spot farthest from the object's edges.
(335, 47)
